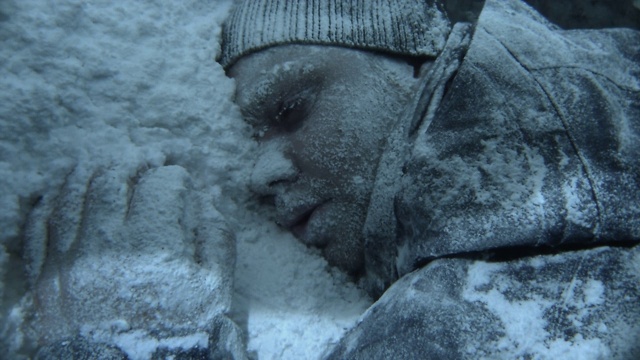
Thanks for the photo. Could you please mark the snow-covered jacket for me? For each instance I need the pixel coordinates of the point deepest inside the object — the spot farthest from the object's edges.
(512, 213)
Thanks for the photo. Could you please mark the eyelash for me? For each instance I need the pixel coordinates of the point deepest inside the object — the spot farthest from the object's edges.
(288, 116)
(291, 113)
(285, 111)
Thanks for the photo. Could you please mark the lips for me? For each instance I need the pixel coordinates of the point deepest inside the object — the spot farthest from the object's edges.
(299, 220)
(299, 227)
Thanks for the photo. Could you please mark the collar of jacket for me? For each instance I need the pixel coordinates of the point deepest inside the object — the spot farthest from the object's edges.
(380, 227)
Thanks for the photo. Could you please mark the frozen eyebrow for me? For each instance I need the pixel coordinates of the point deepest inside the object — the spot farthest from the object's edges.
(258, 96)
(269, 89)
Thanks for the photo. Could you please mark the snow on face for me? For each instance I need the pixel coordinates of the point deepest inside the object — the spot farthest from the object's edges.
(321, 115)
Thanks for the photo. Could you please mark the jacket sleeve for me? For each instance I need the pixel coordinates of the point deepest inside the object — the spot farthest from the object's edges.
(535, 143)
(581, 304)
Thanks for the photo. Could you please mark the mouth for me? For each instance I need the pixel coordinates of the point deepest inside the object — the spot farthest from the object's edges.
(299, 224)
(299, 227)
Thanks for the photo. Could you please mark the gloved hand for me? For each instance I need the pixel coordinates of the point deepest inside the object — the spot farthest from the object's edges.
(147, 256)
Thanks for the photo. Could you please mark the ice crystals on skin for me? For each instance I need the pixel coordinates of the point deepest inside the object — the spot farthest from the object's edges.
(286, 110)
(328, 114)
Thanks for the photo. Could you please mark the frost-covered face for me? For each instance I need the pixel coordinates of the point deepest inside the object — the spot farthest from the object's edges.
(321, 116)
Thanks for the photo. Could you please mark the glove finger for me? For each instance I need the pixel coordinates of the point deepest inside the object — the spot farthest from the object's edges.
(156, 221)
(215, 242)
(53, 223)
(104, 210)
(215, 249)
(66, 215)
(36, 239)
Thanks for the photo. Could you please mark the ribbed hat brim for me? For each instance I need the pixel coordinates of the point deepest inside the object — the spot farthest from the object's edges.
(404, 27)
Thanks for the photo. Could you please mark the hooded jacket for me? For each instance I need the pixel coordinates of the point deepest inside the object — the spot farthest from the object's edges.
(508, 192)
(524, 135)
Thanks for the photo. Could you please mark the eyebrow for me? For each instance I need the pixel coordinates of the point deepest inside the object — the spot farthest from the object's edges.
(262, 94)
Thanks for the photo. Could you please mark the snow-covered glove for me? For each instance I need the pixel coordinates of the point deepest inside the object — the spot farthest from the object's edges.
(142, 263)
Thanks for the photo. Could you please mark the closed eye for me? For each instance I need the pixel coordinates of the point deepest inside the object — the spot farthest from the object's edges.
(287, 110)
(291, 113)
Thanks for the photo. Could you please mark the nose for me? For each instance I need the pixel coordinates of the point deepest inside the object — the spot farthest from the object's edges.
(272, 168)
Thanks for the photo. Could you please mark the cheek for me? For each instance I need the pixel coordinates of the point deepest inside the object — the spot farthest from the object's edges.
(342, 231)
(339, 143)
(347, 255)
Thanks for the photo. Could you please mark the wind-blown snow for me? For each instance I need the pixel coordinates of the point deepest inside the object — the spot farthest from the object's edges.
(134, 84)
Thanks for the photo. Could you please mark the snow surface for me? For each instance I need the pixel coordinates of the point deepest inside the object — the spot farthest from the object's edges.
(134, 84)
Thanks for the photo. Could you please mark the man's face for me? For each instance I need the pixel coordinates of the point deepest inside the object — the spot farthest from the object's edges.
(321, 116)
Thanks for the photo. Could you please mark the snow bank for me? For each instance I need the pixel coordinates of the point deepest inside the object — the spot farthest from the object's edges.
(294, 306)
(134, 84)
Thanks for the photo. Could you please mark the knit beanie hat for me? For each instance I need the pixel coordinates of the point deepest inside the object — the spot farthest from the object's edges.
(403, 27)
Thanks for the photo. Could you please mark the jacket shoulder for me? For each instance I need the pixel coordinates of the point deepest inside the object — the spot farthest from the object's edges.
(538, 44)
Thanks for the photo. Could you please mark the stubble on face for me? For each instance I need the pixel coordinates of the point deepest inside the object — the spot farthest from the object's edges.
(327, 113)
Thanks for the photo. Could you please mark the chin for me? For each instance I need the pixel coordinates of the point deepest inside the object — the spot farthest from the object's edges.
(347, 254)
